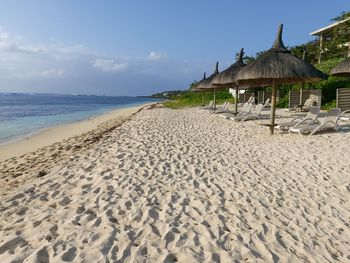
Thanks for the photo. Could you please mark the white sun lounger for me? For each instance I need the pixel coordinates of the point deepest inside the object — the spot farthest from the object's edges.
(310, 117)
(345, 116)
(306, 107)
(253, 115)
(243, 114)
(224, 108)
(209, 106)
(267, 103)
(229, 115)
(329, 122)
(219, 108)
(250, 100)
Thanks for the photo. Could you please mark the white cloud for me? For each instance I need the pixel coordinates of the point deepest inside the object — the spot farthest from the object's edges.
(56, 67)
(52, 73)
(10, 43)
(153, 55)
(108, 65)
(48, 73)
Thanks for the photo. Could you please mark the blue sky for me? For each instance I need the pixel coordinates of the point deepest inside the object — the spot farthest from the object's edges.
(140, 47)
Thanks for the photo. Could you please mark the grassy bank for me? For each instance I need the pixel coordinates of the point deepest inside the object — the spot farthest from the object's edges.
(193, 99)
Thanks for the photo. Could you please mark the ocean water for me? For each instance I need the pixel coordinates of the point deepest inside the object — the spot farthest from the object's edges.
(22, 114)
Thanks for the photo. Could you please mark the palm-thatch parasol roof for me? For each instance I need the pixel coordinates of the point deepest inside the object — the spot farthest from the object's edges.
(342, 69)
(195, 88)
(278, 66)
(206, 84)
(227, 78)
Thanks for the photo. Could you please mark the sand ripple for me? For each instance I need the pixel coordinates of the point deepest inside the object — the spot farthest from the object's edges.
(186, 186)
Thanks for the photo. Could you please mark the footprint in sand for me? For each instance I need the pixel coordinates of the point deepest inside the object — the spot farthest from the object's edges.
(12, 244)
(65, 201)
(42, 256)
(229, 243)
(69, 255)
(170, 258)
(169, 237)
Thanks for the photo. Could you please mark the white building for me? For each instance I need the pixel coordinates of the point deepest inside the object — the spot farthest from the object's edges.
(325, 34)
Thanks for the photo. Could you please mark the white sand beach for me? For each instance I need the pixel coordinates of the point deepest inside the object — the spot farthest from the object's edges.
(61, 132)
(179, 185)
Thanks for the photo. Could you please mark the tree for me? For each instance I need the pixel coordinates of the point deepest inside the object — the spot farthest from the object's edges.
(335, 48)
(193, 84)
(311, 51)
(343, 15)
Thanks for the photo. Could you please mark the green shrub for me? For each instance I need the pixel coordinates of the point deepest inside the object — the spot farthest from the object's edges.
(329, 105)
(329, 87)
(193, 99)
(283, 102)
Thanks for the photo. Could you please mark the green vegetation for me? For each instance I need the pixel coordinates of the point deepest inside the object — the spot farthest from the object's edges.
(333, 52)
(193, 99)
(167, 94)
(328, 86)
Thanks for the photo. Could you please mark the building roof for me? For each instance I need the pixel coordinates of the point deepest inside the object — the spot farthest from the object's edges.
(328, 28)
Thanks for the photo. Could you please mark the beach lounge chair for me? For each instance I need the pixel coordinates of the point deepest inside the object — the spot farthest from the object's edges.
(329, 122)
(243, 114)
(250, 100)
(306, 107)
(209, 106)
(223, 109)
(310, 117)
(345, 116)
(267, 103)
(252, 115)
(229, 115)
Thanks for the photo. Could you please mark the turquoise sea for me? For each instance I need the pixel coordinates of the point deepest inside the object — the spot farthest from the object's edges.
(22, 114)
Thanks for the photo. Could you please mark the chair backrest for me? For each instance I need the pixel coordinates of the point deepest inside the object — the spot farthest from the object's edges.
(267, 101)
(313, 113)
(249, 108)
(227, 105)
(259, 108)
(244, 107)
(332, 115)
(251, 99)
(308, 103)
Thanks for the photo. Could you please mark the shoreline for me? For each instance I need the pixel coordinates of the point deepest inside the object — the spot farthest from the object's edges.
(57, 133)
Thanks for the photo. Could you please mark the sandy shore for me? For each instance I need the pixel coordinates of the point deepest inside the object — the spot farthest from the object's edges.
(179, 185)
(59, 133)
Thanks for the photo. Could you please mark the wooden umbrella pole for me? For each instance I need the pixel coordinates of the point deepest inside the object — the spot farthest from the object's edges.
(273, 107)
(236, 101)
(203, 98)
(263, 95)
(214, 99)
(301, 95)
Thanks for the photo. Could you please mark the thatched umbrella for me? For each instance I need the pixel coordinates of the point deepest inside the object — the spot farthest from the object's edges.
(227, 78)
(302, 85)
(275, 67)
(195, 89)
(342, 69)
(206, 84)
